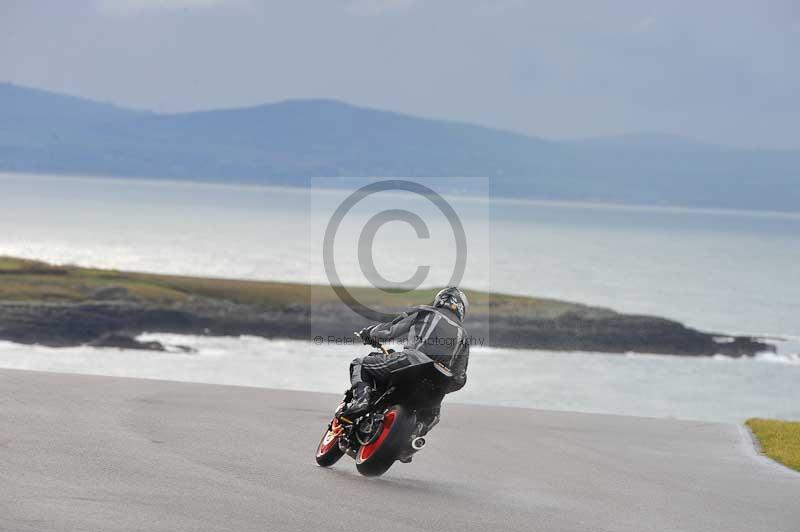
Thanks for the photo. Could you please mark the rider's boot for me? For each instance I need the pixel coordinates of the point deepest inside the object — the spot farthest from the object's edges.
(360, 402)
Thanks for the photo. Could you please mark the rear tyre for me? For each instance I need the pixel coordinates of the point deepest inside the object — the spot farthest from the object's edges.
(376, 458)
(328, 451)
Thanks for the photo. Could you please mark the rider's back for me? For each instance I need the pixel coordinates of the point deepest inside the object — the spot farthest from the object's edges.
(439, 334)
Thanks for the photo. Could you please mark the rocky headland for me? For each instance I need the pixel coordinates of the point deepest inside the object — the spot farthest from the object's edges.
(67, 306)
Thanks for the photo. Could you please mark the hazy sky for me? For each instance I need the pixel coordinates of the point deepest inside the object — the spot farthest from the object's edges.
(725, 71)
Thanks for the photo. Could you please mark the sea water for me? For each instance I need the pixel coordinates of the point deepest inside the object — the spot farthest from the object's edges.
(725, 271)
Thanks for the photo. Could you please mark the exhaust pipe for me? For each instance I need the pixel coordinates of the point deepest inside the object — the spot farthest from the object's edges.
(418, 443)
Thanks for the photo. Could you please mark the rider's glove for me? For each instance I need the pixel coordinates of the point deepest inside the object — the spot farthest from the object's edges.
(364, 334)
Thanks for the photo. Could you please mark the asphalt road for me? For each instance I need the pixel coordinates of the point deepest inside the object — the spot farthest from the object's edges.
(98, 453)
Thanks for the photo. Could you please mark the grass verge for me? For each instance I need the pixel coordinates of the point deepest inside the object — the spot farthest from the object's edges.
(780, 440)
(30, 280)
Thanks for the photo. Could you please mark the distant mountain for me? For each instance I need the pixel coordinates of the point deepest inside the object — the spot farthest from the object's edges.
(290, 142)
(41, 114)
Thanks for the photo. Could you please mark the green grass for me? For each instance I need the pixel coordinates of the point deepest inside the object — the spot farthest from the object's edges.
(11, 265)
(27, 280)
(780, 440)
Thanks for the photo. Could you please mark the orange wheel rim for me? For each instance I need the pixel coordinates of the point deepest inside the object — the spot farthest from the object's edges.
(330, 438)
(368, 450)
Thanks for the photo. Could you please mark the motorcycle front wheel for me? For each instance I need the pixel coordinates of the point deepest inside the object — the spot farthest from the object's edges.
(328, 450)
(378, 456)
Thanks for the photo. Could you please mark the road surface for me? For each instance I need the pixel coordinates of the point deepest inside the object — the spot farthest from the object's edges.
(106, 454)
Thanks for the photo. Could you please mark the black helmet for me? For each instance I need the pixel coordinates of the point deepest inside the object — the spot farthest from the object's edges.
(454, 299)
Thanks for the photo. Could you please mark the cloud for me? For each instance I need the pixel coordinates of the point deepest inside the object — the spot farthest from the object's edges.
(644, 25)
(378, 7)
(127, 7)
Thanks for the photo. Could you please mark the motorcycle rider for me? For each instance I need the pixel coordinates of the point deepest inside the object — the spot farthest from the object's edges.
(433, 332)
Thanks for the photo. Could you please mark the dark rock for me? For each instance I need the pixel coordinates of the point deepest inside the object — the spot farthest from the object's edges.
(122, 341)
(113, 323)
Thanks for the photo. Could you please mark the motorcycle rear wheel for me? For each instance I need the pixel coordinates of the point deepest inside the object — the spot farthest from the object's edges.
(376, 458)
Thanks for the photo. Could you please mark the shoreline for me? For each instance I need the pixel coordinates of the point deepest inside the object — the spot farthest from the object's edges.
(656, 386)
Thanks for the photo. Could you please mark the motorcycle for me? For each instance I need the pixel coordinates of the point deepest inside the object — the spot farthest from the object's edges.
(395, 424)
